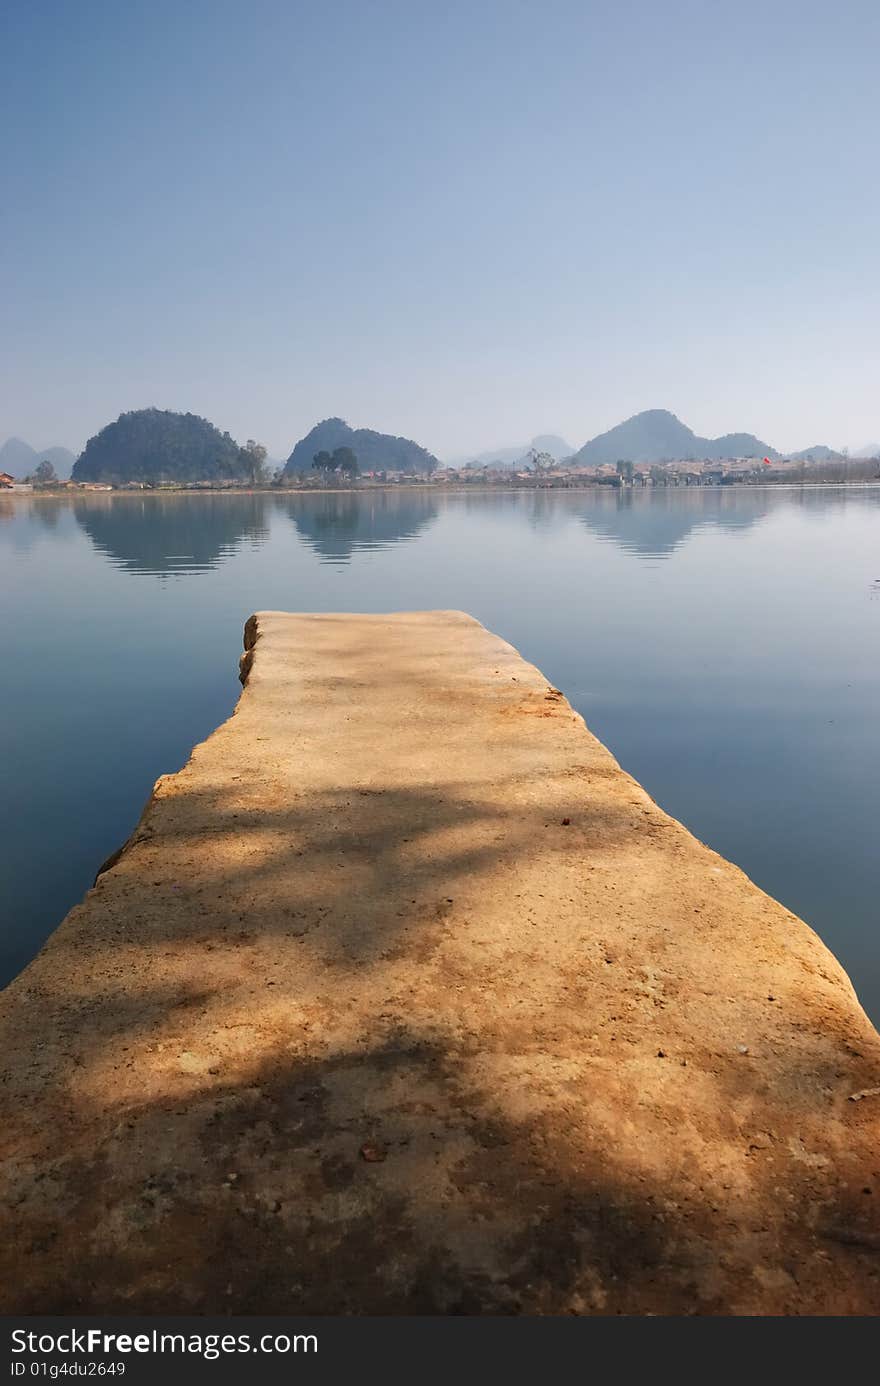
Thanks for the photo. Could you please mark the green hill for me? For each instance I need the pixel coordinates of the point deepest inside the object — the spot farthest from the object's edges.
(375, 452)
(154, 445)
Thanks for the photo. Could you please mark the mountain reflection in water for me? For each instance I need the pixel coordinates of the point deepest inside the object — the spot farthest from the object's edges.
(337, 525)
(178, 534)
(173, 534)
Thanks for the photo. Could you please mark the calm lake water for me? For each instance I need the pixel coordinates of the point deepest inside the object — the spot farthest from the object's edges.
(723, 644)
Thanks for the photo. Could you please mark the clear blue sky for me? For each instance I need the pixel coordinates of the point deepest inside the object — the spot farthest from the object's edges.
(465, 222)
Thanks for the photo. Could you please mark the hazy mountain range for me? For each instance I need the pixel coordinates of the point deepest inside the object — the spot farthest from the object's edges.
(656, 435)
(19, 459)
(155, 444)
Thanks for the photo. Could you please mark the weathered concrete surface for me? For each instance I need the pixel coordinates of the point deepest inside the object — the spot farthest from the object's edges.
(404, 997)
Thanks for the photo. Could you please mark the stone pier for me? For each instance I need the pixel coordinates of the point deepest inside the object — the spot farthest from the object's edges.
(404, 998)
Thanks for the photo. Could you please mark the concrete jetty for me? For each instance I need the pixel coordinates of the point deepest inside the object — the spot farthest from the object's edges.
(404, 998)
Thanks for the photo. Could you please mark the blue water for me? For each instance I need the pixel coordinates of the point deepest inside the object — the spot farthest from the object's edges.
(722, 643)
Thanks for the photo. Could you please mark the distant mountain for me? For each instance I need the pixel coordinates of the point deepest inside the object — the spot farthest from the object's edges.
(869, 450)
(509, 457)
(658, 436)
(552, 443)
(19, 459)
(375, 452)
(62, 460)
(818, 453)
(159, 445)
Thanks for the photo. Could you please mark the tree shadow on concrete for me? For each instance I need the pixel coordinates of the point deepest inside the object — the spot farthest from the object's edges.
(430, 1060)
(380, 1180)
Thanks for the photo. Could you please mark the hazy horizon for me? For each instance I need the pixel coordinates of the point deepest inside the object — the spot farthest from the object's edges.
(466, 226)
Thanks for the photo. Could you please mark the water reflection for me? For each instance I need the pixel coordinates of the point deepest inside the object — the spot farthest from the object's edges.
(655, 523)
(38, 512)
(180, 534)
(337, 525)
(31, 519)
(161, 535)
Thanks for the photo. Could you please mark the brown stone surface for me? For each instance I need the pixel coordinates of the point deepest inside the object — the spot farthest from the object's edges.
(403, 997)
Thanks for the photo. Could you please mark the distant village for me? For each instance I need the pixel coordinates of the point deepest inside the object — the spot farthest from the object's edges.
(735, 471)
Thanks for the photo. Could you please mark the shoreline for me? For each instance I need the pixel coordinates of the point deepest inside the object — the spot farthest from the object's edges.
(285, 492)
